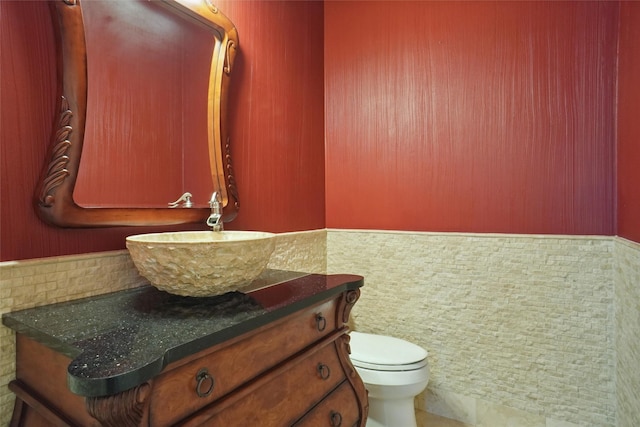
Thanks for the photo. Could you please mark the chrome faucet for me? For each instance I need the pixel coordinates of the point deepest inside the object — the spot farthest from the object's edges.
(215, 219)
(183, 201)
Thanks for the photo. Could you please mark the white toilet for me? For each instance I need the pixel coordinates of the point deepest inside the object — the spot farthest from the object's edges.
(394, 372)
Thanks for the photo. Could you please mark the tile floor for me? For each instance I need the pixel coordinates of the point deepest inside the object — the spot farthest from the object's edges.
(431, 420)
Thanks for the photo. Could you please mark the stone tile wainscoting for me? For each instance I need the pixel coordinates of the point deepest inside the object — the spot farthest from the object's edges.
(627, 317)
(25, 284)
(521, 329)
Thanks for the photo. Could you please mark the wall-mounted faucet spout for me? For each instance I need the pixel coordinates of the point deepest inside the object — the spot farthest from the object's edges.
(215, 219)
(184, 201)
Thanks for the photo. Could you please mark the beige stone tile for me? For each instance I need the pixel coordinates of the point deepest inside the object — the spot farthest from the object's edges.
(300, 251)
(556, 423)
(448, 404)
(425, 419)
(493, 415)
(514, 319)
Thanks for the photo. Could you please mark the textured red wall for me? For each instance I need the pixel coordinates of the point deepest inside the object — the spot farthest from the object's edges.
(441, 116)
(471, 116)
(277, 131)
(628, 123)
(277, 112)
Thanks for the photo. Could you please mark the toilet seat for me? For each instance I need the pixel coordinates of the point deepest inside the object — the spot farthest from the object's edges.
(382, 353)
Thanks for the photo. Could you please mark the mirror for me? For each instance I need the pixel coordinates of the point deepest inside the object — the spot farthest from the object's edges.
(133, 50)
(119, 101)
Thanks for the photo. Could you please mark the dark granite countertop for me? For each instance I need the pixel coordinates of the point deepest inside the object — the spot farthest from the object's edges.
(120, 340)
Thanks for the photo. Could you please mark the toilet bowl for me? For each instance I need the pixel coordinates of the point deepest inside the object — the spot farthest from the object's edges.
(394, 372)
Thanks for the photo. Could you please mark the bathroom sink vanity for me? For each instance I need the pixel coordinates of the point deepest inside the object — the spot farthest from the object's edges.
(274, 355)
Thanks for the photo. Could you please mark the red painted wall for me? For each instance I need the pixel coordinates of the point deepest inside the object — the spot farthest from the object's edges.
(471, 116)
(482, 116)
(277, 116)
(277, 130)
(628, 123)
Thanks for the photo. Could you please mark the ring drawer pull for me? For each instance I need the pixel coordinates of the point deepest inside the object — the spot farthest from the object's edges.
(321, 322)
(323, 371)
(205, 381)
(335, 418)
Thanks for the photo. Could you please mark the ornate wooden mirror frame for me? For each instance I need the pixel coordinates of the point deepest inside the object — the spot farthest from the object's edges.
(54, 194)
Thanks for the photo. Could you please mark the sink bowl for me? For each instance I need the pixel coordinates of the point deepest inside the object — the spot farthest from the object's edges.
(201, 263)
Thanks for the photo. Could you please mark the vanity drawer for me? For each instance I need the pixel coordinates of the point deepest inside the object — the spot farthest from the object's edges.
(182, 391)
(339, 409)
(282, 396)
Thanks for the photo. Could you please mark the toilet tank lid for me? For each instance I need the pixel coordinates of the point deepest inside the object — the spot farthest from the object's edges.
(383, 350)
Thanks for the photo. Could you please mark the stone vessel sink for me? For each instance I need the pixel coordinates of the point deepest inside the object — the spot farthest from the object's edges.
(201, 263)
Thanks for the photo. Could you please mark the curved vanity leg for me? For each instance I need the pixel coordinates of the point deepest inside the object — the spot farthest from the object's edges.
(342, 345)
(343, 311)
(124, 409)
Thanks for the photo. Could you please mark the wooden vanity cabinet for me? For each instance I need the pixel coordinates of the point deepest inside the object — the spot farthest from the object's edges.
(293, 371)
